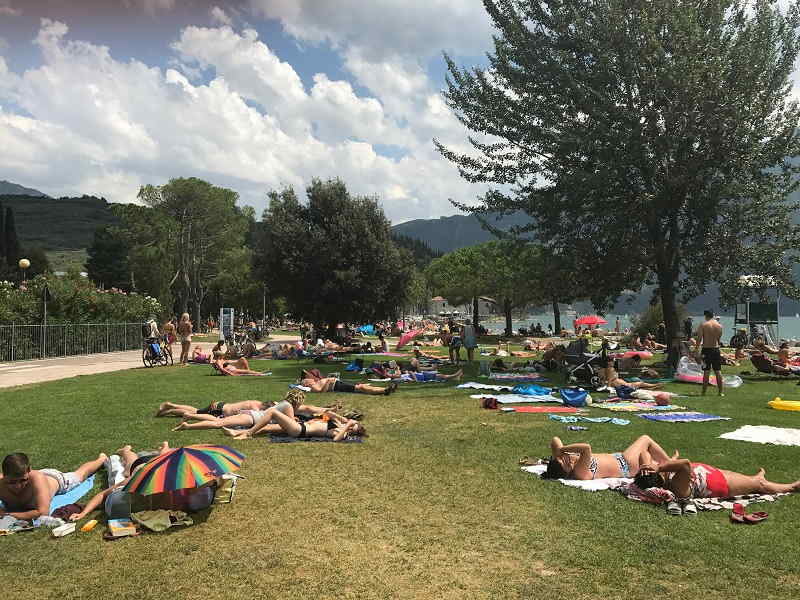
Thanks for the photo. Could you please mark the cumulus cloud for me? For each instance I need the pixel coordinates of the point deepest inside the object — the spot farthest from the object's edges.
(421, 28)
(93, 124)
(220, 17)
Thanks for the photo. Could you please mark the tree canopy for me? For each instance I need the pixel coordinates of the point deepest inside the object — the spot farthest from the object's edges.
(332, 258)
(649, 139)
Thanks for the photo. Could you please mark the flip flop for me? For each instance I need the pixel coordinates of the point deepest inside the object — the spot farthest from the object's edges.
(738, 513)
(755, 518)
(689, 509)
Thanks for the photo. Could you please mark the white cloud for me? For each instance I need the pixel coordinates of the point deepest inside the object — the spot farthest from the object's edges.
(151, 7)
(96, 125)
(387, 28)
(220, 17)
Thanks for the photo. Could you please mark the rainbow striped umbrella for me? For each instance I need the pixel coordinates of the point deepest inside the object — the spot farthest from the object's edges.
(182, 468)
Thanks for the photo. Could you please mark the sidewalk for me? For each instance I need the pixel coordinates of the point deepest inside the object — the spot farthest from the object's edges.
(52, 369)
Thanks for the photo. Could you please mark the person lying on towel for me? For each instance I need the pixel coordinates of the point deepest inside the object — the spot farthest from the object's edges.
(688, 479)
(613, 379)
(576, 461)
(333, 384)
(27, 493)
(237, 367)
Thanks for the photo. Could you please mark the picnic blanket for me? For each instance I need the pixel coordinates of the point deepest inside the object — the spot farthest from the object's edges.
(589, 419)
(517, 398)
(683, 417)
(764, 434)
(635, 406)
(541, 409)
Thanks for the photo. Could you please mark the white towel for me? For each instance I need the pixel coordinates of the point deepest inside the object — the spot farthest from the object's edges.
(483, 386)
(517, 398)
(589, 485)
(764, 434)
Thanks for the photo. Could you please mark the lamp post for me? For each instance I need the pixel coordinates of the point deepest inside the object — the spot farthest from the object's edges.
(24, 264)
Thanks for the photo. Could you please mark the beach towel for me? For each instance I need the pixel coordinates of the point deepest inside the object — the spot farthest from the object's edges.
(517, 398)
(483, 386)
(531, 389)
(661, 496)
(541, 409)
(590, 485)
(613, 421)
(575, 396)
(636, 406)
(287, 439)
(521, 377)
(763, 434)
(683, 417)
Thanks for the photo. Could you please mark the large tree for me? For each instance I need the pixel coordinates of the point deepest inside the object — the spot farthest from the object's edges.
(460, 276)
(655, 135)
(332, 258)
(107, 263)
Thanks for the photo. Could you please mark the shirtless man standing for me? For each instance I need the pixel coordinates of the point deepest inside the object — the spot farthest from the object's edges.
(708, 335)
(27, 493)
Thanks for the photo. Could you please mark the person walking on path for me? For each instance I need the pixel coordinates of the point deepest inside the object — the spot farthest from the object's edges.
(185, 336)
(469, 340)
(708, 336)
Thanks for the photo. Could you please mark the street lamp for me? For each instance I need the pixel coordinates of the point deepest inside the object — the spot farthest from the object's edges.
(24, 264)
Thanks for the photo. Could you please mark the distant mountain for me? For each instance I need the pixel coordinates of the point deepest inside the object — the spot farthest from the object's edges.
(451, 233)
(14, 189)
(56, 224)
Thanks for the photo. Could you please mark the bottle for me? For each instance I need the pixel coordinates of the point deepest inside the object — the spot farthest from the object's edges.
(89, 526)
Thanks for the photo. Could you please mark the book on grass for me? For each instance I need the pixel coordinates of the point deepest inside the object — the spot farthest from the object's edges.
(121, 527)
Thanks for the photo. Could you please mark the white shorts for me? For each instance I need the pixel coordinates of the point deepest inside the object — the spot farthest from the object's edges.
(66, 481)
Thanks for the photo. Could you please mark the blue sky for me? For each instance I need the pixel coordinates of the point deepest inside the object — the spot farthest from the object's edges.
(103, 96)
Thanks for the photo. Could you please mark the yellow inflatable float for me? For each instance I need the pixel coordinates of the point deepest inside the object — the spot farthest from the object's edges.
(779, 404)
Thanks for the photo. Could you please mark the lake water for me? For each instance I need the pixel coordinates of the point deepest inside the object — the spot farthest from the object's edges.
(789, 326)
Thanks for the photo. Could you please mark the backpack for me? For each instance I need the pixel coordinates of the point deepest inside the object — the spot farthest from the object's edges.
(146, 329)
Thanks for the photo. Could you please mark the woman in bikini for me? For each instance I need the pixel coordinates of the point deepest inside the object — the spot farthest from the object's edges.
(185, 336)
(215, 410)
(614, 380)
(688, 479)
(329, 425)
(576, 461)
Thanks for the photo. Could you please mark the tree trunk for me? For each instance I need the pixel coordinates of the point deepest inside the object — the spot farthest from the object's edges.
(556, 319)
(509, 326)
(670, 311)
(475, 308)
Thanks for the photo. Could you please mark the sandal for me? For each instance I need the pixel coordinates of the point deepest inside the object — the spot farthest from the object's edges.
(674, 509)
(689, 508)
(738, 513)
(755, 518)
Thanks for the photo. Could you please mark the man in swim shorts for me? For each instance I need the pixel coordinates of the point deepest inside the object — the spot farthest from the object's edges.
(708, 336)
(26, 494)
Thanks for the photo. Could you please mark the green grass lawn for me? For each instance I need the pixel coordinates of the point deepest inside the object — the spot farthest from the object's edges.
(432, 505)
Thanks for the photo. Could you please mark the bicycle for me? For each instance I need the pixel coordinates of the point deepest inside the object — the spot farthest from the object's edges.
(152, 357)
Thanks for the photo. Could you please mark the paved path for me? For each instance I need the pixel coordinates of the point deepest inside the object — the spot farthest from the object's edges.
(51, 369)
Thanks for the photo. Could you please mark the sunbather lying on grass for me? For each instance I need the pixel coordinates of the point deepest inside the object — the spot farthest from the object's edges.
(293, 404)
(232, 367)
(27, 493)
(333, 384)
(613, 379)
(215, 409)
(576, 461)
(329, 425)
(697, 480)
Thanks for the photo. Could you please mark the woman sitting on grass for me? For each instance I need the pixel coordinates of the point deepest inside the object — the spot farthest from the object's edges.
(614, 380)
(198, 356)
(328, 425)
(576, 461)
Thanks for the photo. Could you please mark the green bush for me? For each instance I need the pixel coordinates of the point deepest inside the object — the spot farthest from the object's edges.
(73, 299)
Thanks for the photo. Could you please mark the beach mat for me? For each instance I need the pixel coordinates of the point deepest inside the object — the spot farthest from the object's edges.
(763, 434)
(541, 409)
(287, 439)
(635, 406)
(517, 398)
(683, 417)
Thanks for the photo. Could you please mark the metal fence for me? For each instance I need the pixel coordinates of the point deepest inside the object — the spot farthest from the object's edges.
(27, 342)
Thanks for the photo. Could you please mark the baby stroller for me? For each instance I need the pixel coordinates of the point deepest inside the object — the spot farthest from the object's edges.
(580, 364)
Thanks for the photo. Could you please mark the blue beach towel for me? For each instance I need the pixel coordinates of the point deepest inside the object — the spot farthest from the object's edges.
(530, 389)
(683, 417)
(573, 396)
